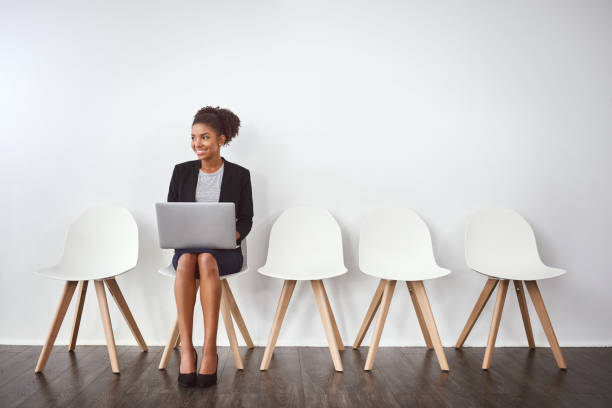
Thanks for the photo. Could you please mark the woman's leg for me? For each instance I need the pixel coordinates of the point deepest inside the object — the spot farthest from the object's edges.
(210, 296)
(185, 295)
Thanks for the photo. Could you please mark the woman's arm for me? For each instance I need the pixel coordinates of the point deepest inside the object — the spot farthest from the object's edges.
(245, 210)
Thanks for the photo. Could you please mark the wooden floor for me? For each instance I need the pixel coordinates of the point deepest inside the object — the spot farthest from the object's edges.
(304, 377)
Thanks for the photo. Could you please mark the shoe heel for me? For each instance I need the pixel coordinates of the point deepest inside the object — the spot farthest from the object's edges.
(207, 380)
(189, 379)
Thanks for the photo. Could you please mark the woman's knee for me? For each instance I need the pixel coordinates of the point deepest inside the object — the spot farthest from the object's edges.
(208, 265)
(186, 265)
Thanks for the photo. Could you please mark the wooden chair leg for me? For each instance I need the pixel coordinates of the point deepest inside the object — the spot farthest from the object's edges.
(520, 294)
(108, 327)
(497, 314)
(177, 341)
(77, 314)
(113, 288)
(326, 318)
(69, 288)
(170, 345)
(339, 341)
(367, 320)
(229, 328)
(283, 303)
(430, 323)
(480, 304)
(237, 315)
(538, 302)
(380, 323)
(419, 314)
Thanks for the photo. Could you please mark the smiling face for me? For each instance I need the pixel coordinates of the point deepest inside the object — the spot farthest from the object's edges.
(205, 141)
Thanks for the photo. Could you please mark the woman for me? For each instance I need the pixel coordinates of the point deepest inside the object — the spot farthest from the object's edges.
(210, 178)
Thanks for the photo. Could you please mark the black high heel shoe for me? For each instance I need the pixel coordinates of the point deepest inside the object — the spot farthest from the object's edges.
(189, 380)
(206, 380)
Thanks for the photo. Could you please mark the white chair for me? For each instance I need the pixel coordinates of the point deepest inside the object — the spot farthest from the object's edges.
(101, 244)
(501, 245)
(229, 308)
(306, 245)
(395, 244)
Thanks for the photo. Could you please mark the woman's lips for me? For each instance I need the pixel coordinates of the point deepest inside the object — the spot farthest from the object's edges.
(201, 151)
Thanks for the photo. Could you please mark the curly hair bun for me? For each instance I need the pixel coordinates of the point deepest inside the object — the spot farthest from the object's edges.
(224, 121)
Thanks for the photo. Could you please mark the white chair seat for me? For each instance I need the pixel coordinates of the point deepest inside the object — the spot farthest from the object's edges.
(535, 272)
(298, 274)
(500, 244)
(411, 274)
(305, 244)
(64, 273)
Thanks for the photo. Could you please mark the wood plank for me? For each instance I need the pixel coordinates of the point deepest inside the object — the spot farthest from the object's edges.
(107, 390)
(281, 385)
(414, 377)
(300, 376)
(66, 375)
(351, 388)
(13, 364)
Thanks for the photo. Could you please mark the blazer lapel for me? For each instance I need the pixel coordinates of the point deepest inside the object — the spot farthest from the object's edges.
(192, 182)
(225, 182)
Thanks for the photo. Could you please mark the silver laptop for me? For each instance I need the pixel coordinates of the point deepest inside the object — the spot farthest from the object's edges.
(196, 225)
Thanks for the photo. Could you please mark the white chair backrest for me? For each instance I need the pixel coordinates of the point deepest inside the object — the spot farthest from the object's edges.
(393, 238)
(495, 237)
(305, 239)
(104, 238)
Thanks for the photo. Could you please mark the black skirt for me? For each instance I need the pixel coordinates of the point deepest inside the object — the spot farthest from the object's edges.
(229, 261)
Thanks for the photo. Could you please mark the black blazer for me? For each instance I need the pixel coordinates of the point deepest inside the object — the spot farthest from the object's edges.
(235, 188)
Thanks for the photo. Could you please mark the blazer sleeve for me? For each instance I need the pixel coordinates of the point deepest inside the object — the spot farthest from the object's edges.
(173, 190)
(245, 209)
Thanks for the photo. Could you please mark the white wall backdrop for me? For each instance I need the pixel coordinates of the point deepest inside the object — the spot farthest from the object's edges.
(444, 107)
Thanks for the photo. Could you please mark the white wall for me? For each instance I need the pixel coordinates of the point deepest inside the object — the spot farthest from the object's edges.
(441, 107)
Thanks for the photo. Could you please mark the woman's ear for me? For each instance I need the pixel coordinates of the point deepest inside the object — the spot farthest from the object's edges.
(221, 139)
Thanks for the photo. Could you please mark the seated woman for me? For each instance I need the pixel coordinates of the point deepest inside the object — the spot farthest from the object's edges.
(210, 178)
